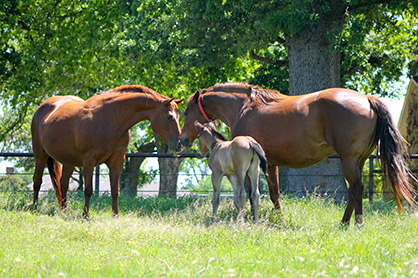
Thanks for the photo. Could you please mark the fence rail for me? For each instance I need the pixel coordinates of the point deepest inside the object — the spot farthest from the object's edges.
(371, 167)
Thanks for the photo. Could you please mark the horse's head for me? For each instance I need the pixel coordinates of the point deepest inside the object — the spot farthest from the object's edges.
(206, 138)
(192, 113)
(165, 123)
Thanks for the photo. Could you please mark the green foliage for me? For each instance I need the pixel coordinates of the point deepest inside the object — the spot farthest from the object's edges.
(12, 183)
(377, 44)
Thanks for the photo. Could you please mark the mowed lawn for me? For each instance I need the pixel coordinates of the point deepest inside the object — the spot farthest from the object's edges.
(160, 237)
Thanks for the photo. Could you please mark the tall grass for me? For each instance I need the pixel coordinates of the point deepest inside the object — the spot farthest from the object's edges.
(161, 237)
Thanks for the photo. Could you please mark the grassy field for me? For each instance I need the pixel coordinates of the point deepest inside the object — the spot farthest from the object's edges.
(176, 238)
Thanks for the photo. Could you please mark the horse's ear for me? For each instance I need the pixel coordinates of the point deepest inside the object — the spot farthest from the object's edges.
(196, 96)
(198, 125)
(167, 101)
(177, 101)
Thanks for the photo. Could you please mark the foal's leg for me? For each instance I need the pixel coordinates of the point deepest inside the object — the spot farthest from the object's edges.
(240, 191)
(352, 174)
(40, 162)
(216, 183)
(254, 174)
(273, 183)
(67, 171)
(233, 180)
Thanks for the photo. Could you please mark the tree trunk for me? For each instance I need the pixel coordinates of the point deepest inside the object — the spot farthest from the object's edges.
(314, 65)
(169, 170)
(129, 178)
(80, 180)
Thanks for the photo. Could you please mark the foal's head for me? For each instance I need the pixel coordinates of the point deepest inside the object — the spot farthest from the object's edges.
(208, 137)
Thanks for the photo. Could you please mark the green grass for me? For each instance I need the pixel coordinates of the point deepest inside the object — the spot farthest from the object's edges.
(160, 237)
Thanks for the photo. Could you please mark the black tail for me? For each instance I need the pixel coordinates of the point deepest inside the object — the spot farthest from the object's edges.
(260, 152)
(55, 173)
(392, 147)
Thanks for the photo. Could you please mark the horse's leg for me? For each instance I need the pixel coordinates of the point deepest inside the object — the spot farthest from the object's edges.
(40, 162)
(216, 183)
(352, 174)
(88, 187)
(67, 171)
(115, 171)
(273, 183)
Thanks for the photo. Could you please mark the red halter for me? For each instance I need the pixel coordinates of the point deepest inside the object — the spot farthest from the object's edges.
(199, 103)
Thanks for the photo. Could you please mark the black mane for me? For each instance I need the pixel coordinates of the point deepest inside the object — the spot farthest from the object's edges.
(216, 133)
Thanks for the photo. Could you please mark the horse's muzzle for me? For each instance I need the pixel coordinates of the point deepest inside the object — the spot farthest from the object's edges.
(176, 147)
(185, 141)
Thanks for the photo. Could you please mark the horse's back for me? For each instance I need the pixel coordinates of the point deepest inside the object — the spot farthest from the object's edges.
(349, 121)
(299, 131)
(53, 105)
(47, 128)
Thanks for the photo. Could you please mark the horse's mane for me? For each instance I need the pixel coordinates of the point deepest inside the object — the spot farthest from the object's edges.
(133, 89)
(253, 91)
(216, 133)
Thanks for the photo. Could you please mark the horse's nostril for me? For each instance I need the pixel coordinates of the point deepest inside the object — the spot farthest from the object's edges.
(185, 141)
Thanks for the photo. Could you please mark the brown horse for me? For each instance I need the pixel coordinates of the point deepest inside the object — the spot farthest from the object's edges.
(300, 131)
(234, 159)
(74, 132)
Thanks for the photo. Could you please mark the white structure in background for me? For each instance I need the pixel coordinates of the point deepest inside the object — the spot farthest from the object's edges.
(148, 190)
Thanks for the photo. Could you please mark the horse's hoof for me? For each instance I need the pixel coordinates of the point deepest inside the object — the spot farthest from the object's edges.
(359, 219)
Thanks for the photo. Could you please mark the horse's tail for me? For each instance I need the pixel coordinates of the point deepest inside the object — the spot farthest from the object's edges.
(55, 173)
(261, 155)
(392, 147)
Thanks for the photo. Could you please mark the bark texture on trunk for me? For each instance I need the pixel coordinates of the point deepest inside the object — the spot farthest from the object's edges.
(129, 178)
(314, 64)
(169, 170)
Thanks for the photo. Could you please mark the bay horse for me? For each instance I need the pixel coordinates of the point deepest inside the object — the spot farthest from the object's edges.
(70, 131)
(234, 159)
(300, 131)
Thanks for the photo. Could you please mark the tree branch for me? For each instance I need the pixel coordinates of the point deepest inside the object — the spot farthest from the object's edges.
(281, 40)
(280, 63)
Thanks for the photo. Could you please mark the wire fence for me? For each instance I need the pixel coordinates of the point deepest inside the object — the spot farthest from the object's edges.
(372, 177)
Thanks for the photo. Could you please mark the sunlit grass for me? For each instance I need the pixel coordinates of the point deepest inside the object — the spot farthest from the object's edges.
(161, 237)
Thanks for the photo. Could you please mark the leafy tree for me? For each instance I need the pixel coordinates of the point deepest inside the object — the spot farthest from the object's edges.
(50, 47)
(12, 183)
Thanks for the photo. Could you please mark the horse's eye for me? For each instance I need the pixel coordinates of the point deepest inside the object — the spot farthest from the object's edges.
(169, 117)
(186, 113)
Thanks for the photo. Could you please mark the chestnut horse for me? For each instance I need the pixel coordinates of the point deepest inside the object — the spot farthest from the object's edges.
(300, 131)
(74, 132)
(234, 159)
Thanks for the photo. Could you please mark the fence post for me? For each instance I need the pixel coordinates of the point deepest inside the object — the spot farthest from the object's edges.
(97, 179)
(371, 170)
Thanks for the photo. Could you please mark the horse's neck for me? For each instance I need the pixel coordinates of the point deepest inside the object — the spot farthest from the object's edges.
(214, 145)
(131, 109)
(223, 106)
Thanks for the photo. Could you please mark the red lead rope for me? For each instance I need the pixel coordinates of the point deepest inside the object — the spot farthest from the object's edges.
(199, 103)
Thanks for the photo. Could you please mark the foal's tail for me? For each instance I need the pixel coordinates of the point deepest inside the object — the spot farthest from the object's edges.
(392, 147)
(261, 155)
(55, 173)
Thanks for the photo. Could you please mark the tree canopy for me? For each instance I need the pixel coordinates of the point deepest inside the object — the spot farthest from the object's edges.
(50, 47)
